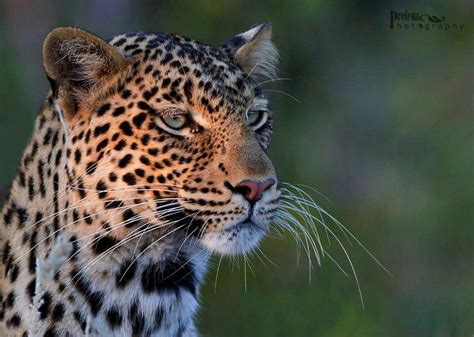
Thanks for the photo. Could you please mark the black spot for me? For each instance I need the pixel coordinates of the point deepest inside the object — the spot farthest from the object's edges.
(14, 321)
(94, 298)
(10, 300)
(81, 188)
(44, 307)
(91, 167)
(82, 322)
(126, 273)
(58, 312)
(32, 253)
(57, 160)
(101, 129)
(130, 46)
(148, 69)
(77, 156)
(14, 271)
(175, 64)
(22, 216)
(139, 119)
(120, 145)
(41, 178)
(50, 333)
(140, 173)
(126, 94)
(103, 109)
(30, 288)
(103, 243)
(112, 204)
(130, 218)
(7, 216)
(144, 160)
(6, 252)
(114, 317)
(144, 106)
(207, 86)
(31, 188)
(88, 218)
(129, 178)
(153, 151)
(158, 318)
(102, 145)
(112, 177)
(125, 161)
(147, 95)
(101, 189)
(47, 136)
(168, 57)
(137, 320)
(171, 276)
(75, 216)
(145, 139)
(21, 178)
(188, 87)
(118, 111)
(167, 97)
(120, 42)
(126, 128)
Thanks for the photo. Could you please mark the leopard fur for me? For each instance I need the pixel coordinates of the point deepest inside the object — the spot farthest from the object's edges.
(113, 214)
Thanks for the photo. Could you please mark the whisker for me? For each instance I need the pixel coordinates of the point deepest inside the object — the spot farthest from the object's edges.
(217, 273)
(124, 208)
(354, 273)
(346, 231)
(284, 93)
(276, 79)
(295, 199)
(258, 249)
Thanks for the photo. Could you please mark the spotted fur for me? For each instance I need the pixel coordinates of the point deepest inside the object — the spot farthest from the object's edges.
(112, 217)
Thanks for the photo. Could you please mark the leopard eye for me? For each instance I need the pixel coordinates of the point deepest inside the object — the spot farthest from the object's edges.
(175, 122)
(256, 118)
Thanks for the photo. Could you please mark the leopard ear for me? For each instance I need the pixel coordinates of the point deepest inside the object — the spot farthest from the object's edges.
(254, 52)
(78, 62)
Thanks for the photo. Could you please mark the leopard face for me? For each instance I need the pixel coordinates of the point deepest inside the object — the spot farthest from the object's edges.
(166, 136)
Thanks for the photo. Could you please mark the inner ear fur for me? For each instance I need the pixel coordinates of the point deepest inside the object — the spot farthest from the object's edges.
(78, 62)
(254, 52)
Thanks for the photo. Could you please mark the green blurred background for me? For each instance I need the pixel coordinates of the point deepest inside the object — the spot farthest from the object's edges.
(382, 125)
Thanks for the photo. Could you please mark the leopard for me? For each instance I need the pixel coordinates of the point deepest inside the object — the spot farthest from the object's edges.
(149, 155)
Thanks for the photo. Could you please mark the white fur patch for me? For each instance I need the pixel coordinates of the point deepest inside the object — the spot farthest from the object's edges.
(258, 57)
(239, 239)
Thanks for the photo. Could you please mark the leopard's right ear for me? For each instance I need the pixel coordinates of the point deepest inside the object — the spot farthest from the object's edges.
(78, 62)
(254, 52)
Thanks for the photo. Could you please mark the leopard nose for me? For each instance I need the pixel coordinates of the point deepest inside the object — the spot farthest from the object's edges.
(252, 190)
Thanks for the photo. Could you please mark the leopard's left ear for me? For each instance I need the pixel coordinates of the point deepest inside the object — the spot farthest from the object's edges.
(78, 64)
(254, 52)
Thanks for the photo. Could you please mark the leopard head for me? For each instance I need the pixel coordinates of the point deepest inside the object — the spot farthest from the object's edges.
(167, 136)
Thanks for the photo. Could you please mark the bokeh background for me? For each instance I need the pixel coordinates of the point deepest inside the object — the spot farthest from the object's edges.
(381, 123)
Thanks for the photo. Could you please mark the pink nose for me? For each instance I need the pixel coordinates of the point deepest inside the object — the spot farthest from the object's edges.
(253, 190)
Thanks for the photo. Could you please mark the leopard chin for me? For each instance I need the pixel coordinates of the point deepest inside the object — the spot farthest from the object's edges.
(237, 239)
